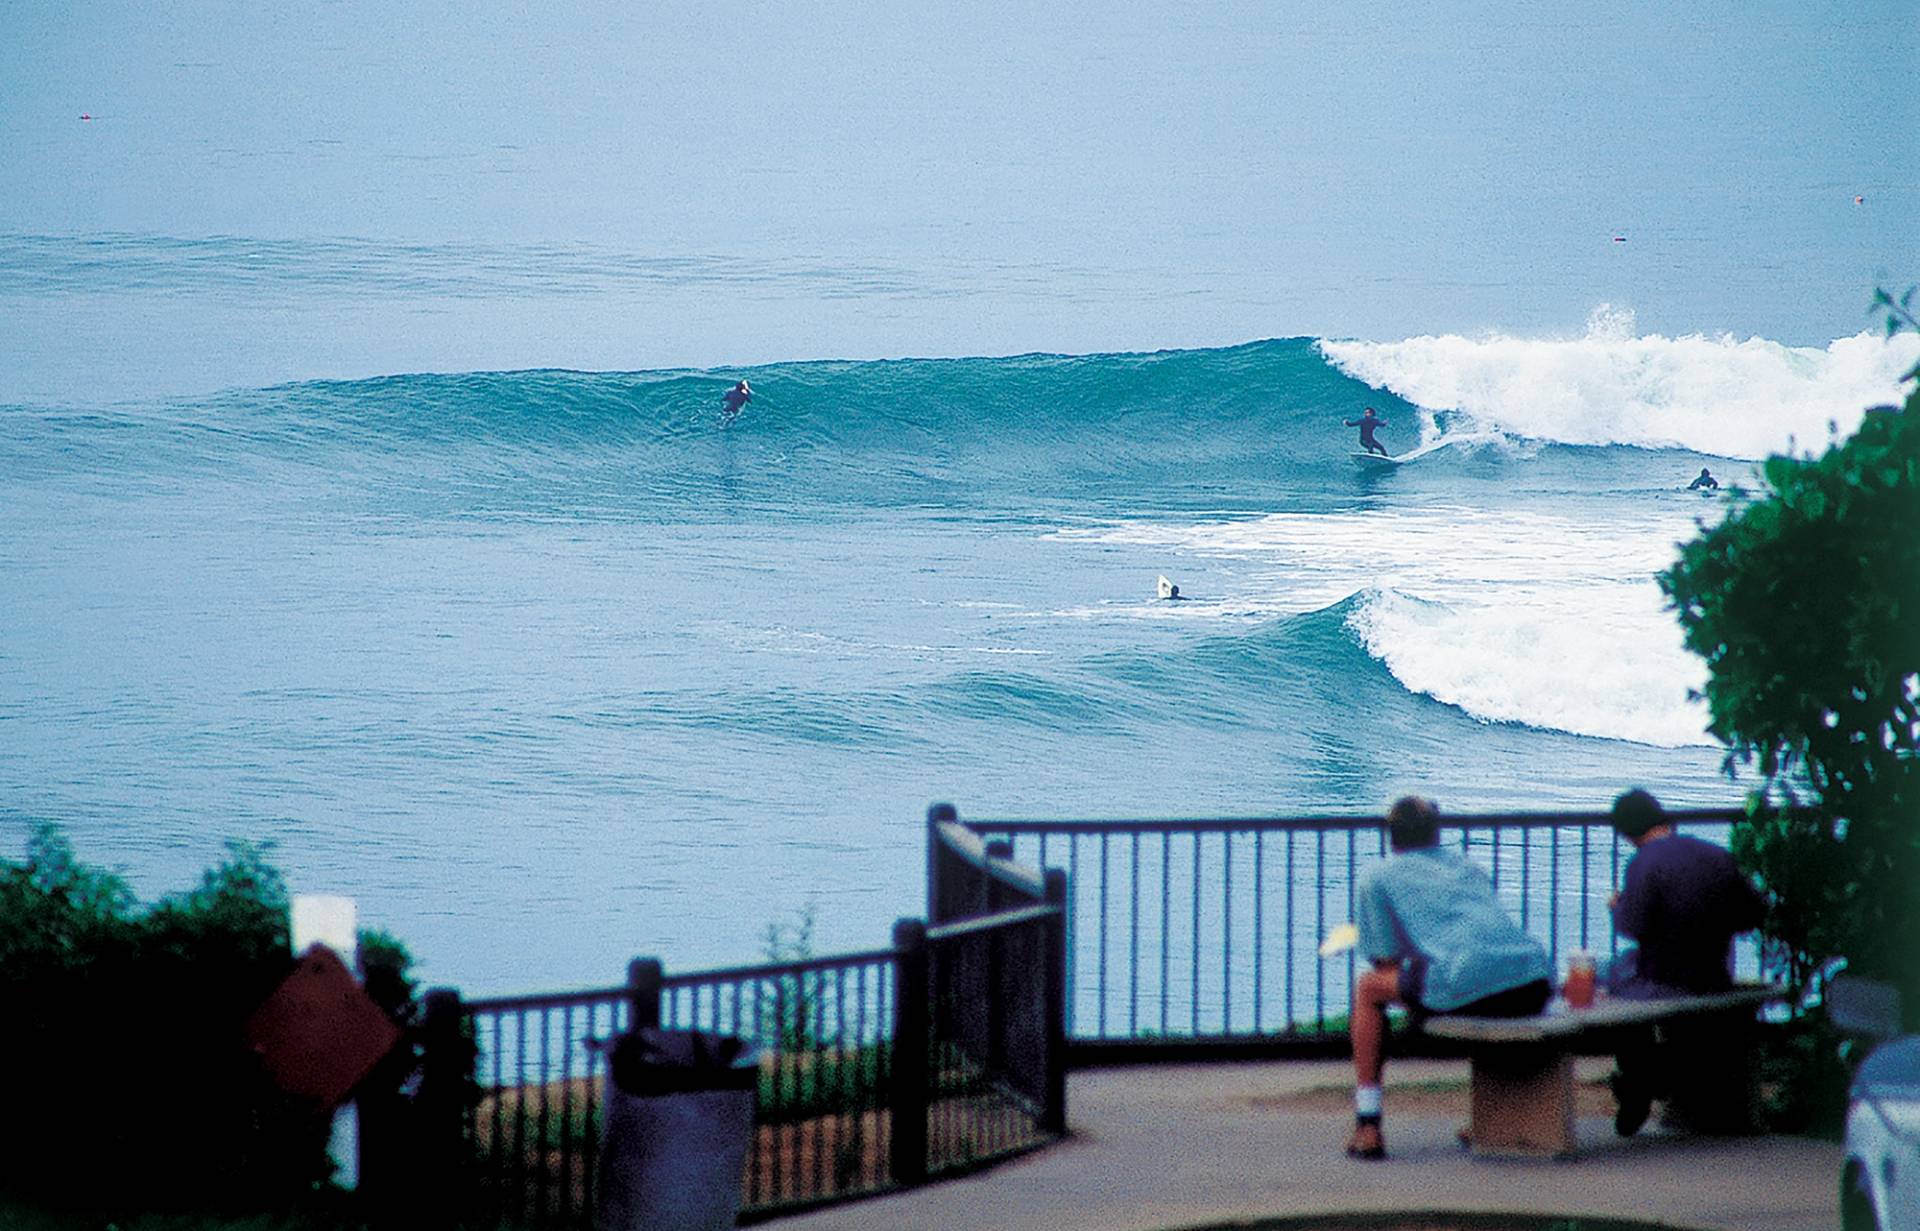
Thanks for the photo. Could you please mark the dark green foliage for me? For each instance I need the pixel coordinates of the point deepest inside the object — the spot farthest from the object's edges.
(126, 1026)
(1803, 1076)
(1805, 603)
(384, 963)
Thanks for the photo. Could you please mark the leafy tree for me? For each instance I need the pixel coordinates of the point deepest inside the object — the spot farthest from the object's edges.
(135, 1087)
(1805, 603)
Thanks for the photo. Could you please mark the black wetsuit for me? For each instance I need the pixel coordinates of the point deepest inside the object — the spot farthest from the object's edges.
(1705, 482)
(1367, 427)
(735, 399)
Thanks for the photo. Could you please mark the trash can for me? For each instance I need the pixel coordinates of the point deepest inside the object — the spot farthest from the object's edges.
(677, 1123)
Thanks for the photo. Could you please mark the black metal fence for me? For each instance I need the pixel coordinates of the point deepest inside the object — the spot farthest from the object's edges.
(878, 1070)
(995, 973)
(1046, 942)
(1196, 931)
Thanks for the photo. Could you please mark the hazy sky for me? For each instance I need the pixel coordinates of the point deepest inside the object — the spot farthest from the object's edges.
(1354, 170)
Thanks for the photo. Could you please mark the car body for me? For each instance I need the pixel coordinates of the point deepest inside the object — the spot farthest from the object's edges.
(1880, 1179)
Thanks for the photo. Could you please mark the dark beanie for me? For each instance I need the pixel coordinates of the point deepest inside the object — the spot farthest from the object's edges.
(1635, 812)
(1413, 824)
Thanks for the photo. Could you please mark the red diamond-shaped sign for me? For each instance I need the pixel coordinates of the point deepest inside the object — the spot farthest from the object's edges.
(319, 1033)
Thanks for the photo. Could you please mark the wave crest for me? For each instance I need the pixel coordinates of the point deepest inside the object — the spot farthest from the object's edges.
(1714, 395)
(1532, 665)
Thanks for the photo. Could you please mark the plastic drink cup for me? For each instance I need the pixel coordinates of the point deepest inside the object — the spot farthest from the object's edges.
(1579, 987)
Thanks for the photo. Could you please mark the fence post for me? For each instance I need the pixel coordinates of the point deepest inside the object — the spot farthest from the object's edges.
(936, 813)
(992, 897)
(993, 982)
(912, 1022)
(445, 1100)
(1054, 1114)
(645, 979)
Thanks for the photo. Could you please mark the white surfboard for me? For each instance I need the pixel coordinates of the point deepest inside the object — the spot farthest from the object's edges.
(1375, 457)
(1414, 454)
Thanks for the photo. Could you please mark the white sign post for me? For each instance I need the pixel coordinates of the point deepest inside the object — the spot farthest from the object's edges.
(326, 919)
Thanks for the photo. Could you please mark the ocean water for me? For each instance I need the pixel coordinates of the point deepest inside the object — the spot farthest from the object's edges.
(552, 668)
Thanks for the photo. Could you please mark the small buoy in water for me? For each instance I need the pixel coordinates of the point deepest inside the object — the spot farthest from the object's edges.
(1859, 200)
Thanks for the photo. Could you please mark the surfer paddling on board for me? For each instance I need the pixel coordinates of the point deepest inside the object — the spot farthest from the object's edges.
(737, 397)
(1704, 483)
(1368, 423)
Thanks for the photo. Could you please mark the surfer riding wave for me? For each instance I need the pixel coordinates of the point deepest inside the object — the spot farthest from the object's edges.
(1368, 423)
(736, 398)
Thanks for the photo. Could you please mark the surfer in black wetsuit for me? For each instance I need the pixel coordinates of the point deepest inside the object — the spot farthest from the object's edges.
(737, 397)
(1368, 423)
(1705, 483)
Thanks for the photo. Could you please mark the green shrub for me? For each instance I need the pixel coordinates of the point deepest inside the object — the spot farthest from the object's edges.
(1805, 604)
(126, 1028)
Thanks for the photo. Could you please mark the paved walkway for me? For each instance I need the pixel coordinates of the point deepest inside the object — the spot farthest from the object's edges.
(1187, 1145)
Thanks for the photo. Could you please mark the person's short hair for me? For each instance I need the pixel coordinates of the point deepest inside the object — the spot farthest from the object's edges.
(1413, 823)
(1635, 812)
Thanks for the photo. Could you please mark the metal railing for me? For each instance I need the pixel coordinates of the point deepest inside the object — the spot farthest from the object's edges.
(878, 1070)
(1207, 930)
(1050, 942)
(533, 1134)
(995, 976)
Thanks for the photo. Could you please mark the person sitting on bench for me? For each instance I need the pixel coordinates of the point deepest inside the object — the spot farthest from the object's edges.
(1683, 900)
(1439, 942)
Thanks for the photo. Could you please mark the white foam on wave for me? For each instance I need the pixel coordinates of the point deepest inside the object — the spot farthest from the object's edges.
(1715, 395)
(1506, 663)
(1551, 619)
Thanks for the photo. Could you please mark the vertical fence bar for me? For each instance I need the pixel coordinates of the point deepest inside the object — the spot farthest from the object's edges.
(1586, 886)
(1053, 1118)
(911, 1045)
(817, 1046)
(1193, 963)
(858, 1130)
(1166, 929)
(520, 1112)
(645, 979)
(1133, 936)
(936, 814)
(1320, 925)
(1526, 873)
(496, 1141)
(1259, 924)
(1613, 882)
(1288, 973)
(1353, 864)
(542, 1123)
(1553, 902)
(446, 1069)
(590, 1115)
(1226, 932)
(786, 1084)
(1101, 1029)
(566, 1114)
(1073, 909)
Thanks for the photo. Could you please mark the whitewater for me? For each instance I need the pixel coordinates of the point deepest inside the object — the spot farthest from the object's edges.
(550, 668)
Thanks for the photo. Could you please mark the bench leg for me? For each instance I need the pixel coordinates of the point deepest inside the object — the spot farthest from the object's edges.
(1523, 1101)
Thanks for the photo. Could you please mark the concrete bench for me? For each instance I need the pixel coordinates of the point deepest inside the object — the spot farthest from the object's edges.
(1522, 1067)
